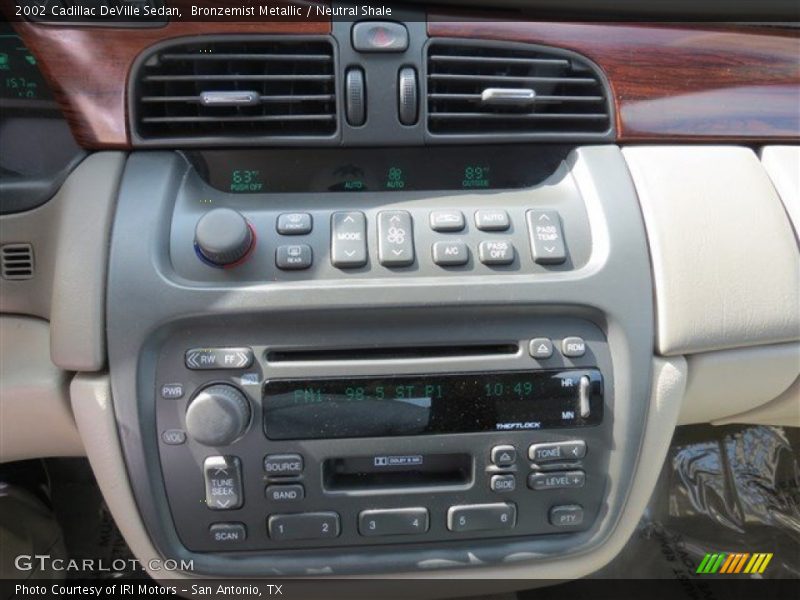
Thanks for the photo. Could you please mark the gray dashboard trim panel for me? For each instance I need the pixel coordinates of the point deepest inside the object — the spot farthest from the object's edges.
(145, 299)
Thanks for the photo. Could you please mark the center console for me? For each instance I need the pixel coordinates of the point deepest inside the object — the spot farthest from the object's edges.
(334, 381)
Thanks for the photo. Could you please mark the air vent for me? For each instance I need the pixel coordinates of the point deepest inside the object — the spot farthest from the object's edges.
(514, 90)
(237, 89)
(16, 261)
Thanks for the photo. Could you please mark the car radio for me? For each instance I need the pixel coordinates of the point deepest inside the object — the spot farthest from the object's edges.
(270, 448)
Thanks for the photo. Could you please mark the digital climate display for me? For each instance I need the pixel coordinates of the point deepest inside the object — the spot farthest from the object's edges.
(20, 78)
(378, 169)
(429, 404)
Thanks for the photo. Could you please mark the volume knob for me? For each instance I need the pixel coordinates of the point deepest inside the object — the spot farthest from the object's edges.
(218, 415)
(223, 237)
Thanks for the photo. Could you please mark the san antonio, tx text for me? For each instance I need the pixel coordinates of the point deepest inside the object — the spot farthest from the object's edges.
(131, 589)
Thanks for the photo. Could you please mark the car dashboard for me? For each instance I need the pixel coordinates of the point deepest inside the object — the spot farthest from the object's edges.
(422, 294)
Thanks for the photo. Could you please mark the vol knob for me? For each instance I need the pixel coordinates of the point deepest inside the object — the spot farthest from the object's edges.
(223, 237)
(218, 415)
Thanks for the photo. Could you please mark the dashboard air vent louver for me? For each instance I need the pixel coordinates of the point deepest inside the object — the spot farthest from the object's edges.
(16, 261)
(512, 90)
(237, 89)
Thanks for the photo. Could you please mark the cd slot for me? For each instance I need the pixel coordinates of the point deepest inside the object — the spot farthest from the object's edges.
(393, 353)
(368, 473)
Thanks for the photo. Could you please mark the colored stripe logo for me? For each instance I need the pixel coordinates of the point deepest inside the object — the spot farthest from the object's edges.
(732, 563)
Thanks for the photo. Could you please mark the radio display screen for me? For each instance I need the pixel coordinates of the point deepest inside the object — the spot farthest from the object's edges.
(429, 404)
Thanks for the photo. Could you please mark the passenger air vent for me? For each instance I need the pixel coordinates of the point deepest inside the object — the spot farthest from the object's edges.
(229, 90)
(514, 91)
(16, 261)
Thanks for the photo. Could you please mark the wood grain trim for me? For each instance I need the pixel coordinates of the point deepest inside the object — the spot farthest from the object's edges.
(675, 83)
(88, 67)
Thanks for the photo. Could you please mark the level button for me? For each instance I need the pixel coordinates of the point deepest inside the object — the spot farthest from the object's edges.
(205, 359)
(556, 480)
